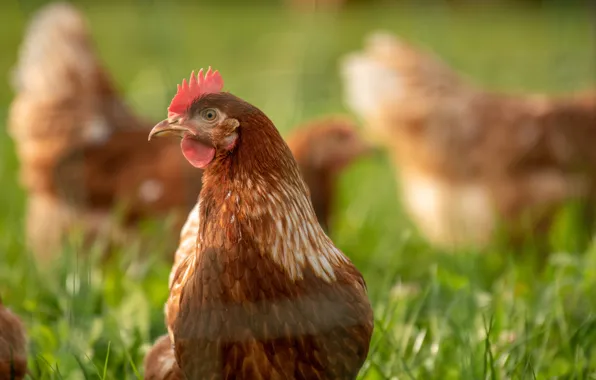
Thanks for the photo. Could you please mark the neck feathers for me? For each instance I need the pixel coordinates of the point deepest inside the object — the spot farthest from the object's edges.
(256, 196)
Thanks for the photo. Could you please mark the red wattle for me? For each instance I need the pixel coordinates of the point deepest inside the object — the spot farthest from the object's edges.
(198, 154)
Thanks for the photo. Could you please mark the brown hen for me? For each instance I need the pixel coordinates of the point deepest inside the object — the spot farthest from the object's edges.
(322, 148)
(262, 292)
(468, 159)
(63, 98)
(147, 183)
(13, 346)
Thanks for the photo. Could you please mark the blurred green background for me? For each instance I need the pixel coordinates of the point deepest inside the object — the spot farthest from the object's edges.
(464, 316)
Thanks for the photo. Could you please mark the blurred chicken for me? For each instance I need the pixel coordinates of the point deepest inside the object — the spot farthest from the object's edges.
(323, 148)
(13, 346)
(469, 159)
(119, 169)
(94, 178)
(63, 98)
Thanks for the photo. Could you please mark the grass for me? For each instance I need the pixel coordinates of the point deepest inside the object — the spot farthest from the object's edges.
(496, 315)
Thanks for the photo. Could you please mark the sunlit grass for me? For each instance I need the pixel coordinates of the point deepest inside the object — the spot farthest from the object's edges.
(461, 316)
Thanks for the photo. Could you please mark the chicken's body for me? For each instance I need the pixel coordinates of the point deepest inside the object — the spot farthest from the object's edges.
(13, 346)
(468, 159)
(63, 98)
(322, 148)
(244, 304)
(260, 290)
(148, 183)
(160, 363)
(79, 144)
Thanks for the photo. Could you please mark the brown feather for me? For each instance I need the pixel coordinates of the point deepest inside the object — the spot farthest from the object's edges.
(82, 151)
(267, 294)
(64, 97)
(160, 362)
(149, 182)
(468, 159)
(13, 346)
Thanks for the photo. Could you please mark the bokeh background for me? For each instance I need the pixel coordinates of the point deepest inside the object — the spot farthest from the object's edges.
(462, 316)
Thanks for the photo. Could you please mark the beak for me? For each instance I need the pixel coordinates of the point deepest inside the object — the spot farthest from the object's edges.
(171, 127)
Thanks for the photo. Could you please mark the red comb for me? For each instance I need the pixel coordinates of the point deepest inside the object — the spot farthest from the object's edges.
(197, 85)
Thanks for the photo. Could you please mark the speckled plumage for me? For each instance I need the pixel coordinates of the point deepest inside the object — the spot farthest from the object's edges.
(264, 293)
(81, 149)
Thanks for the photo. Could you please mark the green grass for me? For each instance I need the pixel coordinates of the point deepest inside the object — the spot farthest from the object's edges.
(496, 315)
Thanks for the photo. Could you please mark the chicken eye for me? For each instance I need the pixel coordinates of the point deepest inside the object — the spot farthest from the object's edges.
(209, 114)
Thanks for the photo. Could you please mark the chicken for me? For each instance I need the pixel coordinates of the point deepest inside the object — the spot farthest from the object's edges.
(13, 346)
(63, 97)
(322, 148)
(471, 163)
(262, 292)
(160, 362)
(64, 120)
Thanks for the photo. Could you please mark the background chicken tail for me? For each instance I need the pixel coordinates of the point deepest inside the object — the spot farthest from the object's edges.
(388, 71)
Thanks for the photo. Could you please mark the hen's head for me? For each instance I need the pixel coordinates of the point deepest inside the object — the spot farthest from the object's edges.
(328, 144)
(195, 116)
(209, 121)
